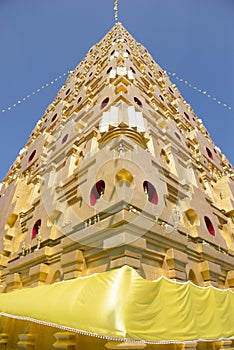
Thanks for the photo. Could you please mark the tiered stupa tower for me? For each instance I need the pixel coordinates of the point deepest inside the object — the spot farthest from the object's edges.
(118, 171)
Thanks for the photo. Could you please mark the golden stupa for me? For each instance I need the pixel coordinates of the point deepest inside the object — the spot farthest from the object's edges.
(117, 217)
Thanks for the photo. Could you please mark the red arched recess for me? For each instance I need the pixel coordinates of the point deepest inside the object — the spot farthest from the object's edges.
(97, 191)
(53, 118)
(31, 156)
(151, 192)
(108, 70)
(138, 102)
(105, 102)
(64, 139)
(36, 229)
(209, 153)
(209, 226)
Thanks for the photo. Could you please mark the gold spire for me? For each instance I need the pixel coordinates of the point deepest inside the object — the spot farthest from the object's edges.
(116, 10)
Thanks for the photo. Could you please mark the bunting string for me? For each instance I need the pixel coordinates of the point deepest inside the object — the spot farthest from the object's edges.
(37, 91)
(173, 75)
(195, 88)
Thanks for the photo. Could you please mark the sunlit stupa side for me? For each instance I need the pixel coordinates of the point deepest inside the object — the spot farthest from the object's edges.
(119, 171)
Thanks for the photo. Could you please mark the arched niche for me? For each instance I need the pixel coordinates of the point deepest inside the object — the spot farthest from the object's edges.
(97, 192)
(151, 192)
(192, 277)
(57, 277)
(11, 221)
(164, 156)
(54, 216)
(192, 217)
(124, 176)
(209, 226)
(36, 229)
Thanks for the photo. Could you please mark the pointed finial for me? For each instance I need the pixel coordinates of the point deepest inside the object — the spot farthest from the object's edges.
(116, 10)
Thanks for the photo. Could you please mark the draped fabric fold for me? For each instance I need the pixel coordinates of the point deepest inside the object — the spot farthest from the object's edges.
(119, 304)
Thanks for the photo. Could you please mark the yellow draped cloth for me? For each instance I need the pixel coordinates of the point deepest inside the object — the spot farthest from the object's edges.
(120, 305)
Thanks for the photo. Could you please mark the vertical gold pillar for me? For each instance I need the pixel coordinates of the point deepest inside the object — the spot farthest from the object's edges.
(227, 345)
(65, 340)
(26, 341)
(3, 340)
(190, 346)
(112, 345)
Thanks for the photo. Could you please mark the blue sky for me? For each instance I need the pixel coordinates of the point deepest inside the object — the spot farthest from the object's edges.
(42, 39)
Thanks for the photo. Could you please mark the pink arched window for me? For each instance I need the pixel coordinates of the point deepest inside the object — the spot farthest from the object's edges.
(97, 191)
(105, 102)
(36, 229)
(64, 139)
(31, 156)
(209, 226)
(53, 118)
(209, 153)
(150, 190)
(138, 102)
